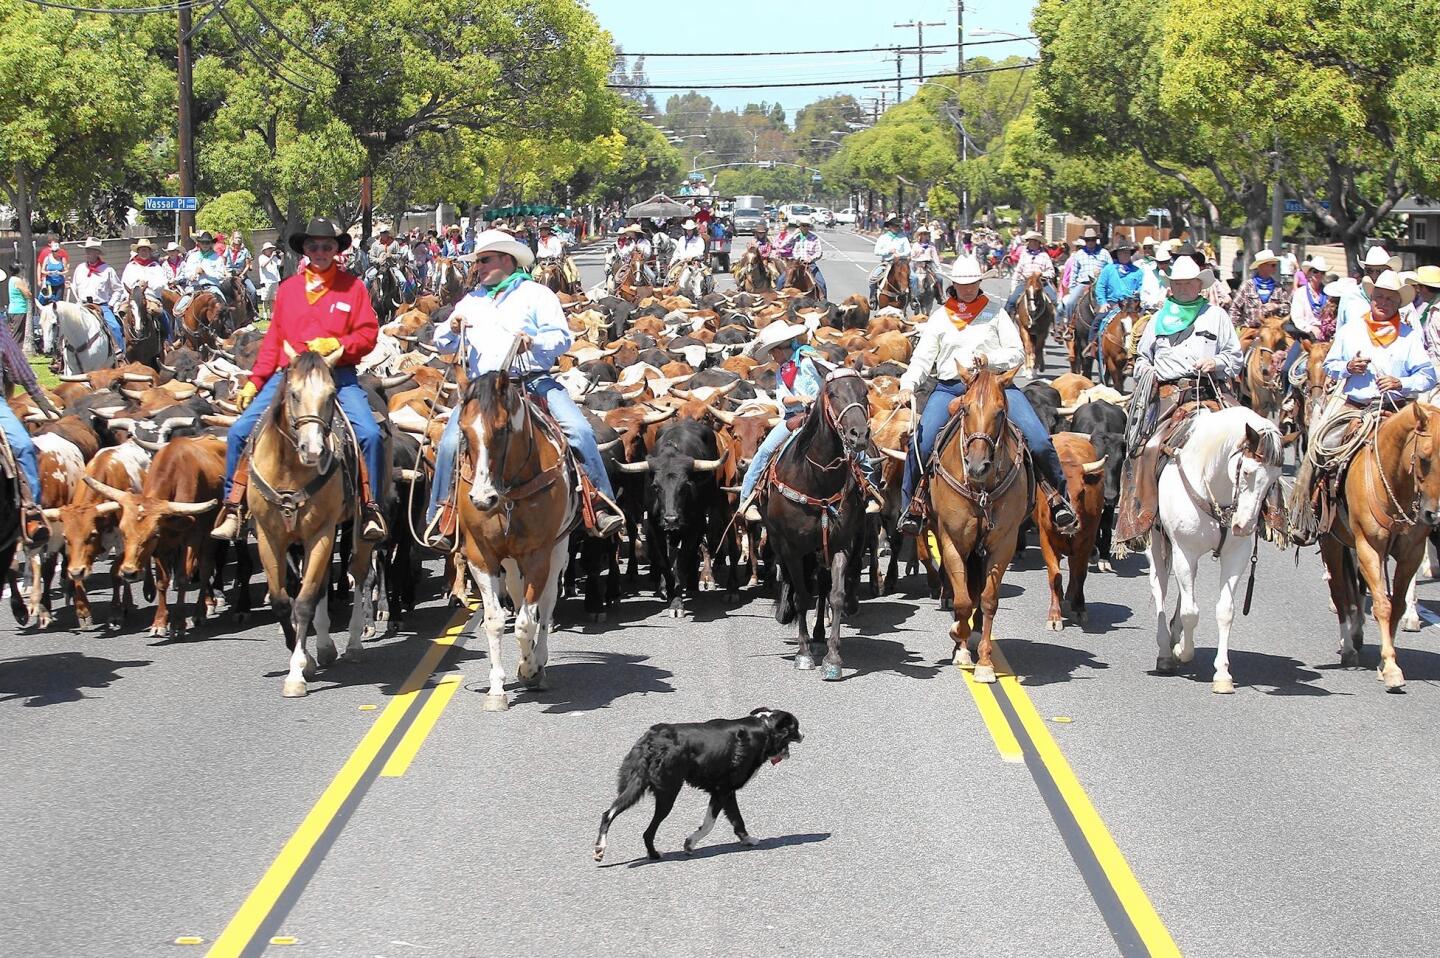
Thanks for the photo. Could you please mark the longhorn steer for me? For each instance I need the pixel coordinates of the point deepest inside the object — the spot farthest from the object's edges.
(61, 466)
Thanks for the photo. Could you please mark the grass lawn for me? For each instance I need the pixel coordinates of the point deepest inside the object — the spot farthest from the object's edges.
(41, 365)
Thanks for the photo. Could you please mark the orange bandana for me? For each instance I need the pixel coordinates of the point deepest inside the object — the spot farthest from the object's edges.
(318, 284)
(1382, 332)
(962, 314)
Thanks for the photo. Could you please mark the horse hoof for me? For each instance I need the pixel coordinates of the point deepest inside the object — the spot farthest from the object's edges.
(1223, 686)
(1054, 625)
(803, 662)
(1166, 665)
(675, 612)
(241, 618)
(293, 689)
(85, 624)
(1185, 655)
(1391, 675)
(536, 682)
(831, 673)
(962, 657)
(985, 674)
(1350, 659)
(352, 655)
(496, 703)
(325, 657)
(1410, 623)
(382, 615)
(1104, 566)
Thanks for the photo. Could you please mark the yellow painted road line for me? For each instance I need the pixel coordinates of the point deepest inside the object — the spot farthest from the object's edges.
(243, 934)
(429, 714)
(1147, 923)
(995, 720)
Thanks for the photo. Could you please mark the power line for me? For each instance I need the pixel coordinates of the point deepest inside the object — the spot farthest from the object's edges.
(805, 53)
(769, 86)
(167, 8)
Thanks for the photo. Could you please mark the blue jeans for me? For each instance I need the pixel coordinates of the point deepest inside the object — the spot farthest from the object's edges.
(819, 280)
(937, 414)
(353, 403)
(1105, 313)
(23, 447)
(1046, 290)
(1291, 358)
(1067, 306)
(117, 332)
(773, 441)
(572, 422)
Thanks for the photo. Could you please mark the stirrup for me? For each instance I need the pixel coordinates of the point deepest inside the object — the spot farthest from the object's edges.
(372, 524)
(231, 525)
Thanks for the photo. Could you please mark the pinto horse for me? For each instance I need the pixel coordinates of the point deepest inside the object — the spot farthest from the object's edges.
(449, 280)
(981, 493)
(549, 272)
(298, 498)
(1390, 506)
(1034, 314)
(752, 273)
(813, 510)
(518, 505)
(894, 288)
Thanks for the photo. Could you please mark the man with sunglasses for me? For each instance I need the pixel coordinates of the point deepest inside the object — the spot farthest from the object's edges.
(324, 309)
(510, 318)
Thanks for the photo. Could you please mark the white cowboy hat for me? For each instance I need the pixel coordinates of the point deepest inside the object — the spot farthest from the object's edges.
(93, 243)
(1147, 241)
(1263, 257)
(266, 246)
(143, 243)
(1428, 276)
(498, 241)
(965, 270)
(1186, 268)
(173, 247)
(1077, 243)
(689, 225)
(1032, 235)
(1377, 256)
(1390, 280)
(1162, 254)
(632, 228)
(1343, 286)
(1316, 262)
(776, 334)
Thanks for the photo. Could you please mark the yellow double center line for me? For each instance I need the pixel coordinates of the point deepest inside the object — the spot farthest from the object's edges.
(387, 749)
(1021, 736)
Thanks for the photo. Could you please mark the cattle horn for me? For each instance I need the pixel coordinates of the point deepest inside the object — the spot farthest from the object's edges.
(732, 489)
(446, 388)
(895, 454)
(607, 446)
(105, 508)
(74, 378)
(409, 475)
(109, 492)
(138, 377)
(684, 394)
(222, 422)
(773, 421)
(228, 407)
(136, 394)
(192, 508)
(1066, 410)
(147, 444)
(728, 418)
(705, 465)
(107, 412)
(635, 466)
(392, 382)
(1096, 467)
(122, 422)
(35, 417)
(655, 417)
(428, 348)
(51, 515)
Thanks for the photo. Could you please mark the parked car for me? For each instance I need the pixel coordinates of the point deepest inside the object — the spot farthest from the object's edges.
(823, 217)
(746, 219)
(847, 217)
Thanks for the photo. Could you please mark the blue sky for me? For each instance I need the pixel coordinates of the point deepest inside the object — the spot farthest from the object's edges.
(734, 25)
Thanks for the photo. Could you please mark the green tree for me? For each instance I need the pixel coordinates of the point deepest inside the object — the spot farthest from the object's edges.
(232, 211)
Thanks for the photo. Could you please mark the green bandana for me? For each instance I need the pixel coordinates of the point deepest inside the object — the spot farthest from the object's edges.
(1176, 317)
(508, 283)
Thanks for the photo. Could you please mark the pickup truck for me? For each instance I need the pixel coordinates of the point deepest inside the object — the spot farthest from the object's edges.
(846, 217)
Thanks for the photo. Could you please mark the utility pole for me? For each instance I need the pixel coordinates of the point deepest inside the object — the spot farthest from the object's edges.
(183, 142)
(1277, 207)
(960, 85)
(898, 95)
(919, 26)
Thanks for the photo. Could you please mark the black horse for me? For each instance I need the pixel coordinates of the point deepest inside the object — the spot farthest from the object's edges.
(1077, 333)
(813, 510)
(385, 292)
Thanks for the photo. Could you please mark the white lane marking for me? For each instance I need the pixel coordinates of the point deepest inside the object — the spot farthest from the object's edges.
(846, 256)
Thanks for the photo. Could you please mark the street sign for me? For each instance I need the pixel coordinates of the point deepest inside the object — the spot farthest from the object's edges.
(814, 177)
(1295, 206)
(766, 164)
(171, 204)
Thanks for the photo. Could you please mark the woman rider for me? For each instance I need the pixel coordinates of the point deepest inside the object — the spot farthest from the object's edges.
(969, 329)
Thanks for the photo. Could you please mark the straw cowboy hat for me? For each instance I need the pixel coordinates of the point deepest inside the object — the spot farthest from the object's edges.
(143, 243)
(319, 227)
(93, 243)
(265, 246)
(1147, 241)
(1162, 254)
(1390, 280)
(499, 241)
(1428, 276)
(1263, 257)
(1186, 268)
(632, 228)
(1377, 256)
(776, 334)
(173, 247)
(965, 271)
(1315, 262)
(1090, 234)
(1032, 235)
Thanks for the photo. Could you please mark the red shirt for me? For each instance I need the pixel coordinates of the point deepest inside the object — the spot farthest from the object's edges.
(344, 312)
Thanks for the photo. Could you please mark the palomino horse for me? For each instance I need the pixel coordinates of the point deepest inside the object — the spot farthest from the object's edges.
(85, 344)
(518, 505)
(298, 498)
(1264, 376)
(814, 509)
(1034, 314)
(752, 273)
(448, 280)
(981, 492)
(894, 288)
(1212, 496)
(1391, 503)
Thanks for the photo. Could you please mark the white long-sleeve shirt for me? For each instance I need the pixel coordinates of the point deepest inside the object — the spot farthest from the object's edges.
(1176, 357)
(922, 253)
(98, 284)
(269, 266)
(488, 325)
(891, 245)
(688, 247)
(1405, 359)
(944, 350)
(150, 275)
(550, 247)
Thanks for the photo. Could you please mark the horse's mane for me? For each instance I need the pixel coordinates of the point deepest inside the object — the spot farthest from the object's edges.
(1216, 435)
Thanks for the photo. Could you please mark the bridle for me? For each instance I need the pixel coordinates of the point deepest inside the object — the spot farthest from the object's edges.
(886, 289)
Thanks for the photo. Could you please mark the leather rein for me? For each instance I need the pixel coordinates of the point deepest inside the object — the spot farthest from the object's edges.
(983, 496)
(291, 501)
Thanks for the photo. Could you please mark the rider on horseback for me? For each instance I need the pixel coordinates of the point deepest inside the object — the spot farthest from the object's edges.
(1032, 260)
(389, 253)
(1264, 295)
(323, 309)
(205, 269)
(890, 245)
(1085, 265)
(804, 245)
(627, 242)
(237, 263)
(924, 262)
(967, 331)
(766, 249)
(97, 284)
(1119, 281)
(148, 273)
(512, 318)
(17, 372)
(552, 246)
(690, 249)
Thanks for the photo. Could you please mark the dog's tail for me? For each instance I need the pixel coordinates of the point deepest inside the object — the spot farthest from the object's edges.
(630, 786)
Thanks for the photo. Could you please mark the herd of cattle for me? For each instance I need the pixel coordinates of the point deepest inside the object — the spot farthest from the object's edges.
(134, 467)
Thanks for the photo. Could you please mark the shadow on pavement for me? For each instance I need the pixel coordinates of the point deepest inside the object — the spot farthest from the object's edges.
(1044, 663)
(56, 677)
(595, 682)
(728, 848)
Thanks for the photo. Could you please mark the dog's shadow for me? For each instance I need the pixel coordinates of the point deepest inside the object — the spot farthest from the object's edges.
(726, 848)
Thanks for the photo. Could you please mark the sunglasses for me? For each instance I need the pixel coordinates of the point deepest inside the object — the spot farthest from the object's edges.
(488, 258)
(319, 245)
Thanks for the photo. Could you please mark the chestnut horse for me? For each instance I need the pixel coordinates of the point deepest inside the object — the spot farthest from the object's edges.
(1034, 314)
(549, 272)
(518, 505)
(448, 280)
(894, 288)
(1391, 503)
(981, 493)
(797, 277)
(1115, 359)
(1264, 377)
(752, 273)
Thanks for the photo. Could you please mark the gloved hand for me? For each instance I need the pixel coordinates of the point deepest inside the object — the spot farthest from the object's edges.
(325, 345)
(246, 395)
(47, 407)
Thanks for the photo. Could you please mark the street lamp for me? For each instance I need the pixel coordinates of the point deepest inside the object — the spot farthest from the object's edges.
(987, 32)
(695, 161)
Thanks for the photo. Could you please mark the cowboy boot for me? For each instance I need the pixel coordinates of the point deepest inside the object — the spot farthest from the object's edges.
(372, 521)
(1062, 513)
(231, 525)
(913, 519)
(440, 537)
(608, 518)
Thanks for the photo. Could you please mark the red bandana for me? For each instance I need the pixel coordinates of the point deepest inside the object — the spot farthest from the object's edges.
(962, 314)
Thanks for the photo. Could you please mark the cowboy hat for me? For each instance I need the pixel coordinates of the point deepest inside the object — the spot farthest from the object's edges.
(1122, 243)
(453, 228)
(1377, 256)
(1315, 262)
(1032, 235)
(1147, 241)
(689, 225)
(1162, 254)
(93, 243)
(1263, 257)
(965, 271)
(499, 241)
(1186, 268)
(1428, 276)
(892, 219)
(173, 247)
(918, 230)
(205, 236)
(1390, 280)
(321, 228)
(1077, 242)
(632, 228)
(143, 243)
(776, 334)
(265, 246)
(1343, 286)
(1089, 234)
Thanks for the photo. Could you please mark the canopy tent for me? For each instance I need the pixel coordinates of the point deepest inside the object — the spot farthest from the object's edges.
(527, 209)
(658, 206)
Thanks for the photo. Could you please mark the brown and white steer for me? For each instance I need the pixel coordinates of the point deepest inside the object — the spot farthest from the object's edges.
(1085, 481)
(61, 466)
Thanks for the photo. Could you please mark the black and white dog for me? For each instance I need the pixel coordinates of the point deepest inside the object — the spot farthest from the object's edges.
(718, 756)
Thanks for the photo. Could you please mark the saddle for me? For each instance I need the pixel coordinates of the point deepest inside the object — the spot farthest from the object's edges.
(1321, 480)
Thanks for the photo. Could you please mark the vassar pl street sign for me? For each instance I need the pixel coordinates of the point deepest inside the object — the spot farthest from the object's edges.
(171, 204)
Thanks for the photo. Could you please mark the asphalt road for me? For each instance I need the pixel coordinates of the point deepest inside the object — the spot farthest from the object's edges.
(149, 785)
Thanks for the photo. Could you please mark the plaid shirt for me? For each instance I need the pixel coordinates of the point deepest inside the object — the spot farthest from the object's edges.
(17, 367)
(804, 248)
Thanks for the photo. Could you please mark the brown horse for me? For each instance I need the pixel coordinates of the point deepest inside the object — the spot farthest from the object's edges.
(1034, 314)
(549, 272)
(518, 505)
(1076, 333)
(1115, 359)
(298, 498)
(981, 493)
(1391, 503)
(752, 273)
(630, 277)
(797, 277)
(200, 326)
(1264, 378)
(449, 280)
(894, 288)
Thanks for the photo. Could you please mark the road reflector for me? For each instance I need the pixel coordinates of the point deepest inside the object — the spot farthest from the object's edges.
(368, 708)
(284, 940)
(189, 940)
(1062, 719)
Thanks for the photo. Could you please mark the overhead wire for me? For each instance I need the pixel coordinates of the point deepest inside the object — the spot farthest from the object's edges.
(166, 8)
(811, 83)
(799, 53)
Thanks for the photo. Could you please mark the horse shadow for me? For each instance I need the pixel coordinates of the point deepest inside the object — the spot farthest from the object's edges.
(1103, 617)
(57, 677)
(728, 848)
(586, 681)
(1261, 671)
(1417, 664)
(1044, 663)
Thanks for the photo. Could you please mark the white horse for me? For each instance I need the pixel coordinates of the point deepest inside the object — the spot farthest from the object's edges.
(1211, 498)
(86, 344)
(693, 282)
